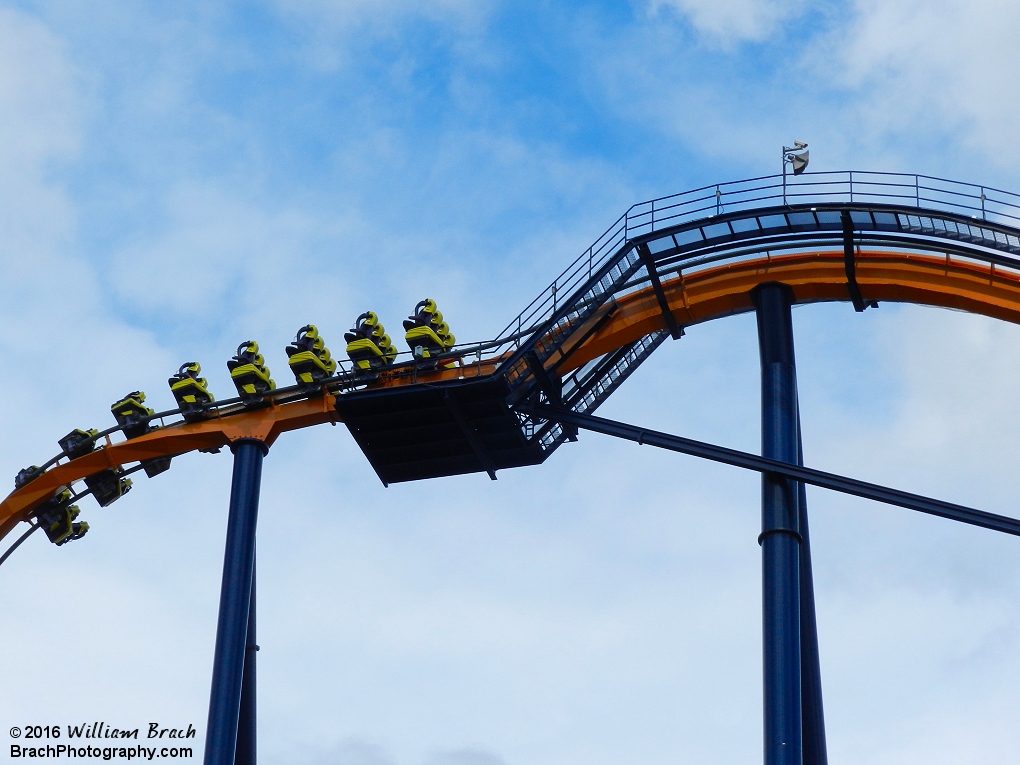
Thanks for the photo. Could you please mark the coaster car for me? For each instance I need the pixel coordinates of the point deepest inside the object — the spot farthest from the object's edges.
(156, 465)
(27, 475)
(309, 358)
(78, 443)
(133, 415)
(191, 391)
(249, 372)
(57, 519)
(426, 333)
(368, 345)
(107, 486)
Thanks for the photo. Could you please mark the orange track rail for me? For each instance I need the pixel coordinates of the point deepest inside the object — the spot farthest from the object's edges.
(704, 295)
(894, 277)
(263, 424)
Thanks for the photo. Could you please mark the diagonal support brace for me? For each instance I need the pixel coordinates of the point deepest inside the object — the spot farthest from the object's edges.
(850, 264)
(750, 461)
(469, 434)
(646, 257)
(552, 389)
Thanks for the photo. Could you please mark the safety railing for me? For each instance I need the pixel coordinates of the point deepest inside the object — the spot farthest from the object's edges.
(923, 191)
(971, 200)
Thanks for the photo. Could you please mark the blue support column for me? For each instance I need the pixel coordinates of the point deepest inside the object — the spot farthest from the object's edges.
(813, 717)
(246, 751)
(235, 601)
(780, 537)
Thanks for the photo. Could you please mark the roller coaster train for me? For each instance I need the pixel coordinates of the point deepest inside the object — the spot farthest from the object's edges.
(443, 408)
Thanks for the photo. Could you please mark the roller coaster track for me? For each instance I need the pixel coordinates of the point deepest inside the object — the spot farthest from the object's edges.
(671, 263)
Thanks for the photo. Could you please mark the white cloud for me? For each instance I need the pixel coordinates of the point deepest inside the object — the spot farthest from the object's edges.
(48, 290)
(37, 94)
(346, 13)
(333, 30)
(947, 67)
(466, 757)
(63, 355)
(901, 85)
(40, 129)
(730, 21)
(356, 752)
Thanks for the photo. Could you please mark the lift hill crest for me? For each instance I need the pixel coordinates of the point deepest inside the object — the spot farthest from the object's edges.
(443, 408)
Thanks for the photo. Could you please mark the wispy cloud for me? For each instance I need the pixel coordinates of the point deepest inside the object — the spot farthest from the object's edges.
(731, 21)
(945, 67)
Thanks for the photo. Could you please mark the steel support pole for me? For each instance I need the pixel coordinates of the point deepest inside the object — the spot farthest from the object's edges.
(812, 715)
(780, 537)
(246, 750)
(235, 601)
(748, 461)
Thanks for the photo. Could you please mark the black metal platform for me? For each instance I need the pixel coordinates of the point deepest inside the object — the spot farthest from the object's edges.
(427, 431)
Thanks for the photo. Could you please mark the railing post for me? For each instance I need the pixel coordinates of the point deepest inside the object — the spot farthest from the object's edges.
(235, 602)
(780, 537)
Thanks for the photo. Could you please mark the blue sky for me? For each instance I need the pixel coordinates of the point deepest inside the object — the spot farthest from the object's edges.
(177, 178)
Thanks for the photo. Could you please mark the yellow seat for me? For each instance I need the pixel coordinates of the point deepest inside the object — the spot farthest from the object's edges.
(309, 358)
(78, 443)
(249, 372)
(424, 342)
(426, 334)
(27, 475)
(133, 415)
(107, 486)
(57, 519)
(368, 345)
(191, 391)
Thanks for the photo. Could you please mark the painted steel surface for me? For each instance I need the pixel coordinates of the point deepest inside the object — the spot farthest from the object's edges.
(233, 627)
(945, 282)
(265, 424)
(701, 270)
(796, 472)
(812, 706)
(897, 277)
(780, 529)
